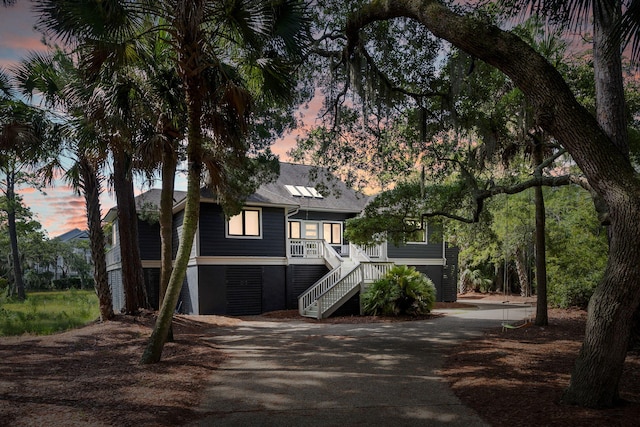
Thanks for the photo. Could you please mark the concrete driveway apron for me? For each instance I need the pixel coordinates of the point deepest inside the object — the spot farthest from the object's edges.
(298, 373)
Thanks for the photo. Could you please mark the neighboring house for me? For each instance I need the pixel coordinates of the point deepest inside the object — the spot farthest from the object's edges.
(285, 250)
(72, 237)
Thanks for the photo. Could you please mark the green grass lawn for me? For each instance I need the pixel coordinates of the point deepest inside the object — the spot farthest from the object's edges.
(44, 313)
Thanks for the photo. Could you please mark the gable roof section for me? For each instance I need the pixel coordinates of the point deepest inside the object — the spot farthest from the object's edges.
(150, 198)
(341, 198)
(73, 235)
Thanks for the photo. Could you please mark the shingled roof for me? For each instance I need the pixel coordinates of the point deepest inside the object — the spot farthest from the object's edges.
(338, 197)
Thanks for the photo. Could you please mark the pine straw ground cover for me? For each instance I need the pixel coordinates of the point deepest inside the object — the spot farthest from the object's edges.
(91, 376)
(516, 377)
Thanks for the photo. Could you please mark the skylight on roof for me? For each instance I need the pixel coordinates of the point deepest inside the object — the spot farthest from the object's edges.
(302, 191)
(292, 190)
(315, 193)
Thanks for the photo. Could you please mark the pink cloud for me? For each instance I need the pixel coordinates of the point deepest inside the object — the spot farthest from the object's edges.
(17, 33)
(29, 43)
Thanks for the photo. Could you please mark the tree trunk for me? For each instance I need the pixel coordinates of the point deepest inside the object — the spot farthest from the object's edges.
(523, 277)
(611, 110)
(132, 275)
(542, 316)
(169, 166)
(153, 352)
(594, 381)
(91, 187)
(13, 236)
(596, 375)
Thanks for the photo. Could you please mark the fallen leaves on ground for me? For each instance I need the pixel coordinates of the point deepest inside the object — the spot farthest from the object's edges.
(516, 377)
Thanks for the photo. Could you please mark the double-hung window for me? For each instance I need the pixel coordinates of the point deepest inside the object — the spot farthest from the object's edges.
(247, 224)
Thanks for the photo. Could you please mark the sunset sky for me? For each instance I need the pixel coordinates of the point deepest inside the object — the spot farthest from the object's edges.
(58, 209)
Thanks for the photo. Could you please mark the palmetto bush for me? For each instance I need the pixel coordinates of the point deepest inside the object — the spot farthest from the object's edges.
(403, 290)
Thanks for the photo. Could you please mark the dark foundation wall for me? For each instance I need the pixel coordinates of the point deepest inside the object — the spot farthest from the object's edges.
(435, 273)
(299, 279)
(239, 290)
(211, 289)
(273, 288)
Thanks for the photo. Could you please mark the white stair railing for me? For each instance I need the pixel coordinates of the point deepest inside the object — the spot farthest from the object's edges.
(337, 293)
(332, 290)
(331, 257)
(310, 296)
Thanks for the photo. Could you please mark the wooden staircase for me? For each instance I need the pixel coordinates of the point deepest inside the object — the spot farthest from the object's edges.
(335, 288)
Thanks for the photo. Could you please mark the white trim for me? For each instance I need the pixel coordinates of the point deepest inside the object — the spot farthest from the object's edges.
(116, 266)
(224, 260)
(419, 261)
(151, 264)
(308, 261)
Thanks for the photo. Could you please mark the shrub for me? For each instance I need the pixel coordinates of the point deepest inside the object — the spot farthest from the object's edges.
(403, 290)
(566, 290)
(70, 283)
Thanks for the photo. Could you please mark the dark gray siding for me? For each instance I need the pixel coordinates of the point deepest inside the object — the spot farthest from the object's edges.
(177, 222)
(420, 250)
(450, 279)
(244, 290)
(149, 240)
(299, 279)
(214, 243)
(433, 272)
(415, 251)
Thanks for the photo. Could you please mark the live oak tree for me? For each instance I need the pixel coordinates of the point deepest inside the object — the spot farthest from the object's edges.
(607, 168)
(456, 118)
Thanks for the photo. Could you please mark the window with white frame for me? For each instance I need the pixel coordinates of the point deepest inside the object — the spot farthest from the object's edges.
(247, 223)
(332, 233)
(419, 235)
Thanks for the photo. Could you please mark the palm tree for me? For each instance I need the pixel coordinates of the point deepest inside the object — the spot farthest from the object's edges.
(57, 79)
(27, 139)
(227, 55)
(203, 36)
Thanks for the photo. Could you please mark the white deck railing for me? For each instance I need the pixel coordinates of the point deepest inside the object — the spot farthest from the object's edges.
(372, 271)
(305, 248)
(113, 255)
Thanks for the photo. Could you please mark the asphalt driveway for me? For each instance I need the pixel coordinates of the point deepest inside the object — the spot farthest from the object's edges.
(318, 374)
